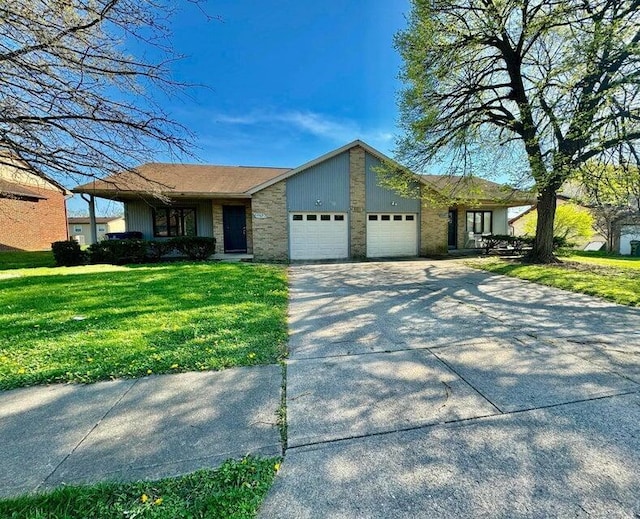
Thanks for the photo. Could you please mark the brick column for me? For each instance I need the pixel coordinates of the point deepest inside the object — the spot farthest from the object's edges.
(357, 197)
(269, 223)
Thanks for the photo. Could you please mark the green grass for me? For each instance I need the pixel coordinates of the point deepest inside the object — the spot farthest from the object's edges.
(24, 259)
(235, 490)
(97, 322)
(603, 258)
(615, 279)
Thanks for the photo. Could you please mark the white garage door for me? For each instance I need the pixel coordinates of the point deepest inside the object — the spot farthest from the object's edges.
(627, 234)
(391, 235)
(318, 236)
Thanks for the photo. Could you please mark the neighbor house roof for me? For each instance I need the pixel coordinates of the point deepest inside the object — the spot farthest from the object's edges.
(182, 180)
(13, 190)
(85, 219)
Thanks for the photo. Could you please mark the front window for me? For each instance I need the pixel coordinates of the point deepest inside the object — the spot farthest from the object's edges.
(174, 221)
(479, 222)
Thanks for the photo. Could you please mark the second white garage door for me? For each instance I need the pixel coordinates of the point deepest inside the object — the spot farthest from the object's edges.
(392, 235)
(318, 236)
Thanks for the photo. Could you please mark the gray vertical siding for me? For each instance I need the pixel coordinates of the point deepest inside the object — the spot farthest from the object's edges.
(327, 182)
(139, 216)
(379, 199)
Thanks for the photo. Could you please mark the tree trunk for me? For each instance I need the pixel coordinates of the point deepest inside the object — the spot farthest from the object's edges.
(543, 245)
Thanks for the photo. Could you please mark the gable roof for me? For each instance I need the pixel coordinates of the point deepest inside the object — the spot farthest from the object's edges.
(181, 180)
(19, 191)
(289, 173)
(206, 181)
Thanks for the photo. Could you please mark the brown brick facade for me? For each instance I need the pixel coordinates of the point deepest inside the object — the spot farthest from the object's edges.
(434, 229)
(33, 225)
(357, 197)
(270, 228)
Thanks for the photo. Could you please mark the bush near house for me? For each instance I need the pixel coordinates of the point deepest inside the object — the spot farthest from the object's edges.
(132, 251)
(68, 253)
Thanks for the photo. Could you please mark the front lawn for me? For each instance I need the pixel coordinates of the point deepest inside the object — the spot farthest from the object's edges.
(235, 490)
(614, 278)
(96, 322)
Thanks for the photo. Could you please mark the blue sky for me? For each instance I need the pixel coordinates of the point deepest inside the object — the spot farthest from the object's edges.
(286, 81)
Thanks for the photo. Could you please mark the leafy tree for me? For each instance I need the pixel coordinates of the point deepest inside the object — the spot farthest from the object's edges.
(556, 80)
(73, 101)
(572, 223)
(611, 191)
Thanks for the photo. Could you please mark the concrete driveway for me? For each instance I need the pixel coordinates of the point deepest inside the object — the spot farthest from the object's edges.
(427, 389)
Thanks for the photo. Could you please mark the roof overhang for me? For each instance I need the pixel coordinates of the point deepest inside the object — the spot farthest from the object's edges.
(122, 195)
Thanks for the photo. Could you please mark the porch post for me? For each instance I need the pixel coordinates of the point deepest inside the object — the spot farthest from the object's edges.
(93, 235)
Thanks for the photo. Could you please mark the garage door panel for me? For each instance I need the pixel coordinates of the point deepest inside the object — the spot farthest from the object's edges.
(392, 235)
(318, 236)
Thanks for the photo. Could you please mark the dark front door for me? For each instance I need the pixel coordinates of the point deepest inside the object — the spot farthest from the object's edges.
(453, 228)
(234, 220)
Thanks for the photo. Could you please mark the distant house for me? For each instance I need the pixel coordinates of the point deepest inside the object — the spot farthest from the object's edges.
(32, 208)
(80, 227)
(332, 207)
(625, 231)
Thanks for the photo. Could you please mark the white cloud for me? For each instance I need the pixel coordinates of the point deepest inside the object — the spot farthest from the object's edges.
(319, 125)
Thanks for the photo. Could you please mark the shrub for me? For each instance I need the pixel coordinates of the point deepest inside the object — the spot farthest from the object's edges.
(68, 253)
(196, 248)
(157, 249)
(118, 252)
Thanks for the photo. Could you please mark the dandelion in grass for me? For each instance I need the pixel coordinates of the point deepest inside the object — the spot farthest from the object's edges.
(144, 498)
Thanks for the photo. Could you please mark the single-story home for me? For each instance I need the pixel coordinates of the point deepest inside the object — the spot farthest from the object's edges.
(80, 227)
(332, 207)
(32, 208)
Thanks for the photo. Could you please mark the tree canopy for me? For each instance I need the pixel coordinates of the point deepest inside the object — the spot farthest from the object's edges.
(558, 80)
(573, 224)
(83, 83)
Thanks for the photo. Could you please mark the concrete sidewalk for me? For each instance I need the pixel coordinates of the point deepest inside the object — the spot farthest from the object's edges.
(149, 428)
(428, 389)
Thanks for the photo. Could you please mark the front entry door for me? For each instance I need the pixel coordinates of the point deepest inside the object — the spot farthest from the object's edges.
(453, 228)
(234, 220)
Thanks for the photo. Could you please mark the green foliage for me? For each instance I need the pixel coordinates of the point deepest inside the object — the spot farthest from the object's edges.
(572, 224)
(195, 247)
(118, 252)
(235, 490)
(68, 253)
(602, 277)
(491, 81)
(97, 322)
(158, 248)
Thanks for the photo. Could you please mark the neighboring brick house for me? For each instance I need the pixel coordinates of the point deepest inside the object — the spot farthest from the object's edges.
(329, 208)
(80, 227)
(32, 209)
